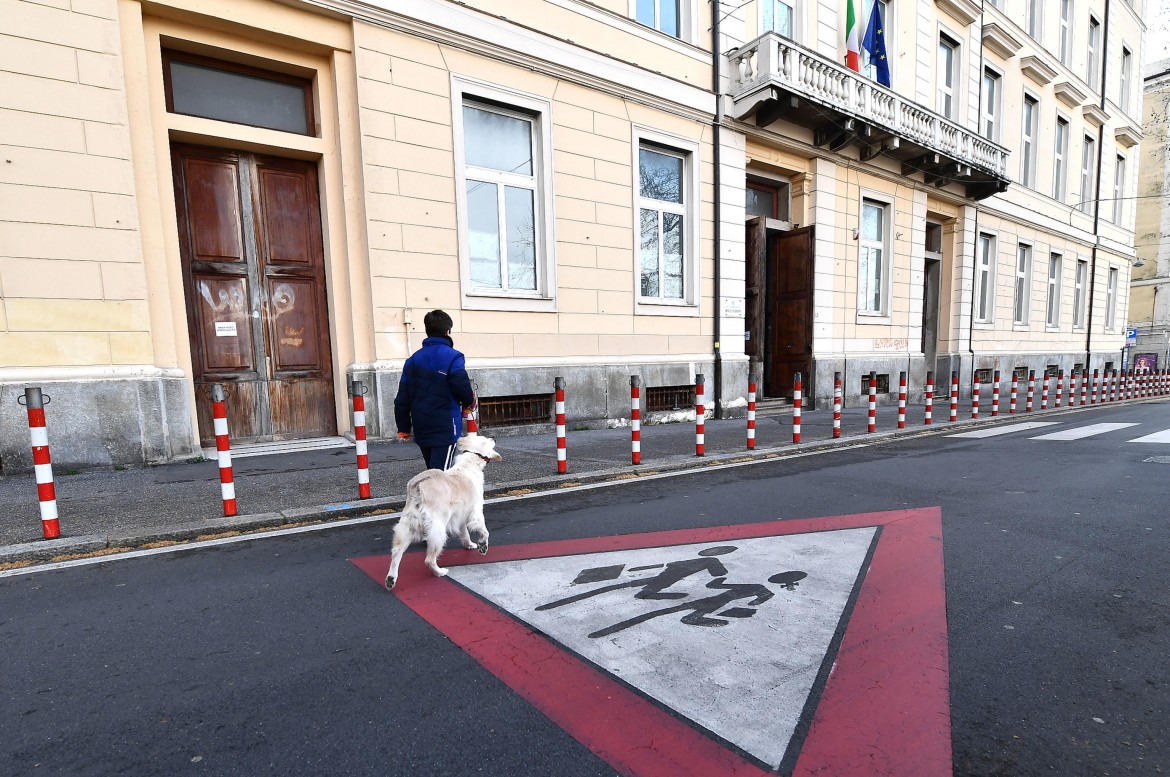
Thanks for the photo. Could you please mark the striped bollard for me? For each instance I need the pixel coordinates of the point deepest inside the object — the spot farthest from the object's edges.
(358, 392)
(1124, 385)
(1111, 385)
(562, 452)
(223, 447)
(975, 391)
(797, 405)
(1084, 387)
(1072, 388)
(926, 418)
(1044, 394)
(700, 415)
(954, 395)
(635, 419)
(995, 395)
(751, 418)
(902, 400)
(1059, 387)
(1014, 395)
(872, 402)
(836, 405)
(1145, 385)
(1096, 385)
(34, 402)
(1068, 389)
(1031, 391)
(472, 423)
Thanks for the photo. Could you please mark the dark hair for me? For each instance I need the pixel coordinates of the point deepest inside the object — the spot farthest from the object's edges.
(437, 323)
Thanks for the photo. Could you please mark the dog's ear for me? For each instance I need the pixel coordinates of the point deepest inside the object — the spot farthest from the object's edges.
(493, 454)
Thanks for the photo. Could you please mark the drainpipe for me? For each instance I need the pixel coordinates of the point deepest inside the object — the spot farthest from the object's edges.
(716, 125)
(1091, 291)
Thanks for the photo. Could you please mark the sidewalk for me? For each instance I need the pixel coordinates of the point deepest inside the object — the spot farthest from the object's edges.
(104, 509)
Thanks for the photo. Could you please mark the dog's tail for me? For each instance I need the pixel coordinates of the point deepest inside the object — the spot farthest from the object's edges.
(414, 497)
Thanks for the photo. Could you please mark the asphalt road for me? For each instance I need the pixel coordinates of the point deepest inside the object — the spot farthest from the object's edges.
(278, 656)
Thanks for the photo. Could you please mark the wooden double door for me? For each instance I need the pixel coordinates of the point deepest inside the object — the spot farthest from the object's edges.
(254, 277)
(780, 306)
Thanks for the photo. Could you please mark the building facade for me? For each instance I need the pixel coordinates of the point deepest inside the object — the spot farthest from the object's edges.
(1149, 311)
(271, 195)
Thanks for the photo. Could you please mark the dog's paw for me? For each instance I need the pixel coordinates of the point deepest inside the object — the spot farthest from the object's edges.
(439, 571)
(390, 581)
(483, 548)
(470, 545)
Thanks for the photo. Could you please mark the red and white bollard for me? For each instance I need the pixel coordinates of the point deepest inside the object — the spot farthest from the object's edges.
(562, 451)
(34, 402)
(995, 395)
(1044, 394)
(358, 392)
(926, 418)
(700, 415)
(1059, 387)
(1084, 387)
(1031, 391)
(1096, 385)
(1113, 386)
(223, 447)
(797, 406)
(954, 395)
(975, 391)
(635, 419)
(1014, 395)
(751, 413)
(901, 400)
(836, 405)
(872, 402)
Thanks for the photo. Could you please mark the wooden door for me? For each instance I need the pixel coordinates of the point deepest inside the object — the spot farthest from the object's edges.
(254, 277)
(789, 311)
(754, 255)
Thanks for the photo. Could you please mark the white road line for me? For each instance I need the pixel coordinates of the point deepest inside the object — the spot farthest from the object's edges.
(1081, 432)
(1162, 436)
(998, 430)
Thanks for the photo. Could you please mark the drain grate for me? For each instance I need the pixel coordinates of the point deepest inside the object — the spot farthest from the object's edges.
(516, 410)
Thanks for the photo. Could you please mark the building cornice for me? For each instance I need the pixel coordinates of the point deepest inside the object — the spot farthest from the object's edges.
(1069, 94)
(966, 11)
(1000, 41)
(1037, 69)
(1095, 115)
(1127, 136)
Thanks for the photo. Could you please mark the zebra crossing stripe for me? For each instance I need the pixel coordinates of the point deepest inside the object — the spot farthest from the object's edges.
(1162, 437)
(1082, 431)
(995, 431)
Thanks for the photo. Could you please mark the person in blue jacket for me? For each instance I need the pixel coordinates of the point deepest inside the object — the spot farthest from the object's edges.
(433, 392)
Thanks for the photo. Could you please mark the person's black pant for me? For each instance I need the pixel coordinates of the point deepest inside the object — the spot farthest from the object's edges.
(439, 456)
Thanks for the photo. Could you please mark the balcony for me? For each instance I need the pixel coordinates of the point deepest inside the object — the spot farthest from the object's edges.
(773, 78)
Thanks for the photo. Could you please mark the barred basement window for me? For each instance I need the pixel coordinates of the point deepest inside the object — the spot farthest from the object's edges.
(1052, 370)
(664, 398)
(517, 410)
(984, 376)
(1021, 373)
(883, 384)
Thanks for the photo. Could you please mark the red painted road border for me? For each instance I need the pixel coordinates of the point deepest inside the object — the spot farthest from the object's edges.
(884, 709)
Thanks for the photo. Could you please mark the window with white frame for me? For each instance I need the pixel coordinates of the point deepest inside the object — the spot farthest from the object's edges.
(1028, 143)
(503, 189)
(1065, 30)
(1032, 18)
(1023, 283)
(667, 238)
(780, 17)
(1079, 288)
(663, 15)
(1119, 190)
(1054, 263)
(1111, 299)
(873, 253)
(985, 279)
(1093, 58)
(1060, 155)
(1088, 173)
(991, 103)
(1126, 78)
(948, 75)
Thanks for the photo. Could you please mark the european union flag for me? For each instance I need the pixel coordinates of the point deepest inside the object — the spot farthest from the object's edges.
(875, 45)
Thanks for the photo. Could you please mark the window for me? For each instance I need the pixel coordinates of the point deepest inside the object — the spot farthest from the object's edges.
(1032, 18)
(780, 17)
(1059, 175)
(224, 91)
(1094, 52)
(1023, 283)
(872, 256)
(1088, 173)
(948, 76)
(767, 198)
(1065, 30)
(503, 187)
(1079, 289)
(1053, 318)
(984, 279)
(1028, 150)
(1119, 190)
(991, 85)
(1126, 78)
(666, 225)
(1111, 299)
(662, 15)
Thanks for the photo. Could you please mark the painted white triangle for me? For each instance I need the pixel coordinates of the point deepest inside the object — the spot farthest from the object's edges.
(747, 679)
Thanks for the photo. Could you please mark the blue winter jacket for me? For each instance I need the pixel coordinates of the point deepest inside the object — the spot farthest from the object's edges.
(432, 393)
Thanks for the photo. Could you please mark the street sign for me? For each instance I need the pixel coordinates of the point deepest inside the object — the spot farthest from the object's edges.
(778, 646)
(1131, 335)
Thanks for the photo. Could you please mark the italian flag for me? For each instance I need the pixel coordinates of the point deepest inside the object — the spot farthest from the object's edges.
(852, 38)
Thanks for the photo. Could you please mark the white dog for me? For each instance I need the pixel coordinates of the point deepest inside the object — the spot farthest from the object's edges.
(445, 503)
